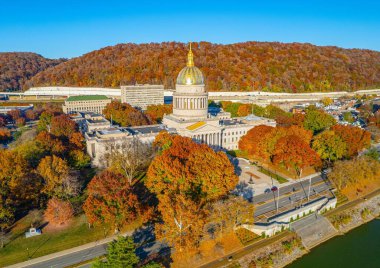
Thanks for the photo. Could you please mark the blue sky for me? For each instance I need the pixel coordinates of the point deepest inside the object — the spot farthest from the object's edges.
(58, 28)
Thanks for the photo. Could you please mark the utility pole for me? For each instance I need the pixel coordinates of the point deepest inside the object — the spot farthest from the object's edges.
(278, 197)
(308, 195)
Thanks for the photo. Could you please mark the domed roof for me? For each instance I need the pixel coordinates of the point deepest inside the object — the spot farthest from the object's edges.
(190, 75)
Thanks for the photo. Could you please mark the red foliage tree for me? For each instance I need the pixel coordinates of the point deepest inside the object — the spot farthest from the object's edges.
(63, 126)
(14, 115)
(111, 201)
(58, 212)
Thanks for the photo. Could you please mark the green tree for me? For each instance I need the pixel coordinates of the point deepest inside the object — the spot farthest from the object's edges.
(120, 254)
(317, 120)
(6, 219)
(373, 153)
(348, 117)
(152, 264)
(329, 146)
(44, 122)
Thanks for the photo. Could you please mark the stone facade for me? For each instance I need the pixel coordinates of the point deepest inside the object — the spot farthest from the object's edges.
(95, 104)
(142, 95)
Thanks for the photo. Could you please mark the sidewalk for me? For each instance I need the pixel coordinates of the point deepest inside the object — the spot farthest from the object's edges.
(67, 251)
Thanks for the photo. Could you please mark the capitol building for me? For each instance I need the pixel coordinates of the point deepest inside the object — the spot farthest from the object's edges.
(191, 118)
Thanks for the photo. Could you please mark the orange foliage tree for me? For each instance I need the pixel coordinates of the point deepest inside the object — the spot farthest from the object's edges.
(111, 201)
(185, 178)
(294, 153)
(63, 126)
(124, 114)
(58, 212)
(157, 112)
(254, 141)
(261, 141)
(355, 138)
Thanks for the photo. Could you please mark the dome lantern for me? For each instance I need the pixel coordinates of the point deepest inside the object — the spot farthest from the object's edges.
(190, 75)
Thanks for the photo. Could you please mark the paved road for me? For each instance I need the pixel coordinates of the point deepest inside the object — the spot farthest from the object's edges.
(289, 195)
(73, 258)
(141, 236)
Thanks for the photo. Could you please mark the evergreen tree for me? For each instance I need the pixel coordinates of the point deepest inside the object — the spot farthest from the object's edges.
(120, 254)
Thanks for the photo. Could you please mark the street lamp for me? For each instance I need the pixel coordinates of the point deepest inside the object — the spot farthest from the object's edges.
(274, 189)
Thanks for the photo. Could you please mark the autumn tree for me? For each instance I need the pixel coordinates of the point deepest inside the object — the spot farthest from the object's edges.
(78, 159)
(62, 126)
(157, 112)
(14, 115)
(124, 114)
(244, 110)
(294, 153)
(49, 143)
(317, 120)
(329, 146)
(20, 122)
(352, 177)
(186, 177)
(58, 212)
(129, 157)
(111, 200)
(17, 184)
(5, 134)
(229, 213)
(326, 101)
(31, 115)
(3, 121)
(356, 138)
(254, 141)
(163, 141)
(55, 173)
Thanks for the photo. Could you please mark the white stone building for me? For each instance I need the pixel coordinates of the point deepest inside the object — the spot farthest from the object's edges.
(191, 117)
(142, 95)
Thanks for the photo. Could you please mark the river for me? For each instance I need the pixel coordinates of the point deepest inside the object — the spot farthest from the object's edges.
(358, 248)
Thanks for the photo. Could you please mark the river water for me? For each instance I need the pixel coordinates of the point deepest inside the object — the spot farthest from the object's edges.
(360, 248)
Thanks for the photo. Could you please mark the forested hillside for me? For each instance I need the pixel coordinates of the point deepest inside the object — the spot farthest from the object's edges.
(237, 67)
(17, 67)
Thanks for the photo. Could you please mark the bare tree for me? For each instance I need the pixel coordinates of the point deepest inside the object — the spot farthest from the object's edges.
(131, 157)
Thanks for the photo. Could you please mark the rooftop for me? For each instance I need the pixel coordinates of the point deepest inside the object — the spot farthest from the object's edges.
(87, 98)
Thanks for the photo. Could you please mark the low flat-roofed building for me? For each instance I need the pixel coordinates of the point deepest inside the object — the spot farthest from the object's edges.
(142, 95)
(89, 103)
(90, 121)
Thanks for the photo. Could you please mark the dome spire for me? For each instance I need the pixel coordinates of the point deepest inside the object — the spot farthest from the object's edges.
(190, 58)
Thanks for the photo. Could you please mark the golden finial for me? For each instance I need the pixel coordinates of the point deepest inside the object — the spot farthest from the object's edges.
(190, 58)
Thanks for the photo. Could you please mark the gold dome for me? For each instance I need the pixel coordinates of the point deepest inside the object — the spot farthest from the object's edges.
(190, 75)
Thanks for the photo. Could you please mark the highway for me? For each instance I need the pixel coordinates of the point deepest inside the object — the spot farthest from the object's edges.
(289, 195)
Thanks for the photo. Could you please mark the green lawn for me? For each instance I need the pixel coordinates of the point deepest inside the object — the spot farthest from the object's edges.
(49, 242)
(277, 177)
(238, 153)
